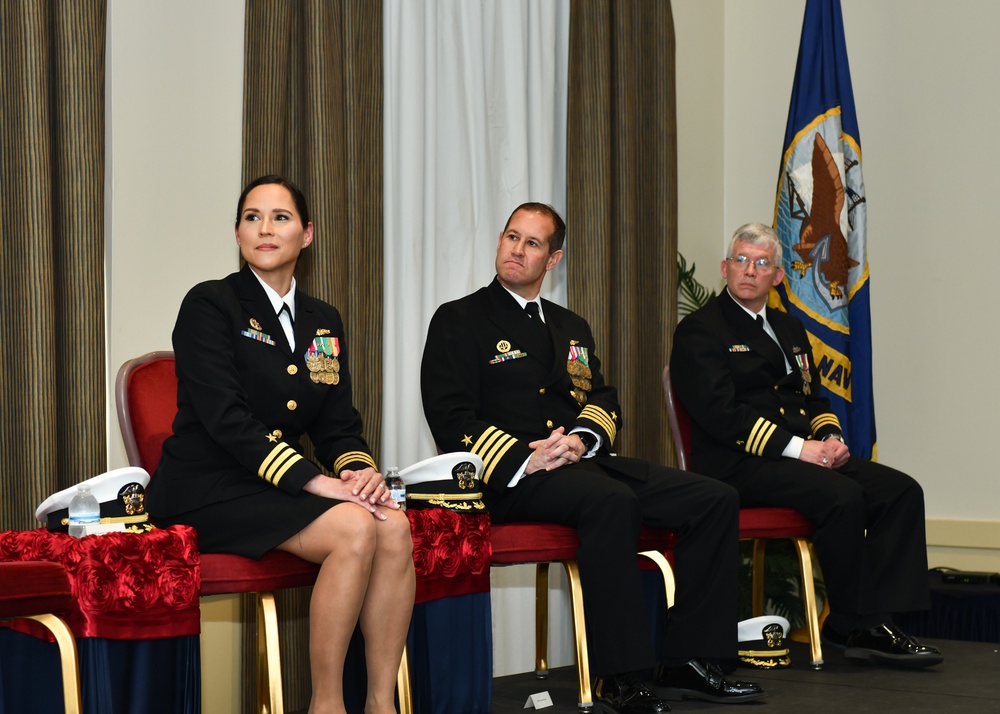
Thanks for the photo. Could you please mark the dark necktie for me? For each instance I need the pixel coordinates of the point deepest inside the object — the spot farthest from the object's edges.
(532, 309)
(539, 331)
(289, 333)
(774, 339)
(285, 309)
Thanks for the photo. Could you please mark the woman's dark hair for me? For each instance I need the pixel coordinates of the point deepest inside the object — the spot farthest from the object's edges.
(297, 196)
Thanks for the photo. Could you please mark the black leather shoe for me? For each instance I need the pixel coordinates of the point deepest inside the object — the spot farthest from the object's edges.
(627, 694)
(700, 680)
(885, 644)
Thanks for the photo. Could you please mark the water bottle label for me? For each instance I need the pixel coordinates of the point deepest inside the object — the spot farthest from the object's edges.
(84, 519)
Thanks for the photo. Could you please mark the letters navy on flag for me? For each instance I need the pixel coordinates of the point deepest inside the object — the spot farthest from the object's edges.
(820, 216)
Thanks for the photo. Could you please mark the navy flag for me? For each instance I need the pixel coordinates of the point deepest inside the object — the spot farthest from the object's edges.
(821, 217)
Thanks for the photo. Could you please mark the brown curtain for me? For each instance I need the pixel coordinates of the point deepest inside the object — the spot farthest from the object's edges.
(313, 112)
(622, 203)
(52, 379)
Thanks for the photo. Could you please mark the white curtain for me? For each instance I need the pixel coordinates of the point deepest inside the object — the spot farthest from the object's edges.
(474, 124)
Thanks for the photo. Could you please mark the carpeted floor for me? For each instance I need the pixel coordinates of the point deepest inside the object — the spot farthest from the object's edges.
(968, 682)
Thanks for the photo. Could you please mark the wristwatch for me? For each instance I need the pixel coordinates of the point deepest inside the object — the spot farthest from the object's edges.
(838, 437)
(588, 439)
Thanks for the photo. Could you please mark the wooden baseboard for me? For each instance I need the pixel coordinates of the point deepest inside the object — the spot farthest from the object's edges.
(963, 545)
(951, 533)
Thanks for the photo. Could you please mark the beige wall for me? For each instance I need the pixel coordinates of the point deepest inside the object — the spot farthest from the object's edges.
(174, 122)
(922, 73)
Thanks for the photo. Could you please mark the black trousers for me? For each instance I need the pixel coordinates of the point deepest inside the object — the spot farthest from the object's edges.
(870, 534)
(608, 509)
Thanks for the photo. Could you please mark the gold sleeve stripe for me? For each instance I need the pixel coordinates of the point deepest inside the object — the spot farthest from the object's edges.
(276, 478)
(759, 435)
(277, 462)
(341, 463)
(822, 420)
(491, 447)
(496, 456)
(600, 417)
(486, 441)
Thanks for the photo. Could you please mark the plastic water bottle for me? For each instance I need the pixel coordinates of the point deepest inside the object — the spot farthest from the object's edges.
(397, 489)
(83, 511)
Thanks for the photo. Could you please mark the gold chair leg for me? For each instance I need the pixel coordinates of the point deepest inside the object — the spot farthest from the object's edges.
(541, 620)
(586, 699)
(809, 600)
(669, 585)
(757, 578)
(269, 658)
(72, 698)
(403, 690)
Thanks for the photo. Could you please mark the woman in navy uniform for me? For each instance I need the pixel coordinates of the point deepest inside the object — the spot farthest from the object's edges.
(259, 364)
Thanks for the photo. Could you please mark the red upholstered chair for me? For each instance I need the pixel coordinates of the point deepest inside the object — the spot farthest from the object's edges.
(41, 591)
(758, 525)
(146, 397)
(545, 543)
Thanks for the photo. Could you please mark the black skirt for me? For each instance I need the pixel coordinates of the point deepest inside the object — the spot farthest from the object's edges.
(251, 525)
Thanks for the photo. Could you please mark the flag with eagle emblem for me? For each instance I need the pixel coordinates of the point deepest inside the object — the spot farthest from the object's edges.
(820, 216)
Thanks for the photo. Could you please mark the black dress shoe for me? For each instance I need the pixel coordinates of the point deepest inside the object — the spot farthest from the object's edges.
(700, 680)
(627, 694)
(885, 644)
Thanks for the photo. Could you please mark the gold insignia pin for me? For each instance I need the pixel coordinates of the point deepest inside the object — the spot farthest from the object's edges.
(322, 331)
(254, 324)
(503, 346)
(574, 342)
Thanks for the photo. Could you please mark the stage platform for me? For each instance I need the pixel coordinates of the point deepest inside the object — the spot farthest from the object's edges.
(967, 682)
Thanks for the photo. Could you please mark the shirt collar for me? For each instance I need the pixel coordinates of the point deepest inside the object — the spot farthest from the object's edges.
(751, 313)
(277, 301)
(522, 301)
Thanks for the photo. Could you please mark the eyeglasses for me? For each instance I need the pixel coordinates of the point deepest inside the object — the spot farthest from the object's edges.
(742, 262)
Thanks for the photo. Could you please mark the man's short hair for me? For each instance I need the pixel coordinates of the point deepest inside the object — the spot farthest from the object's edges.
(757, 234)
(558, 236)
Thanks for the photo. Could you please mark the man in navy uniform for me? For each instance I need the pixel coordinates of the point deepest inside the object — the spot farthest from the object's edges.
(747, 377)
(517, 381)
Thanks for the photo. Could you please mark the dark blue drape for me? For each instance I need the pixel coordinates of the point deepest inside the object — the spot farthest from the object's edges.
(116, 676)
(451, 655)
